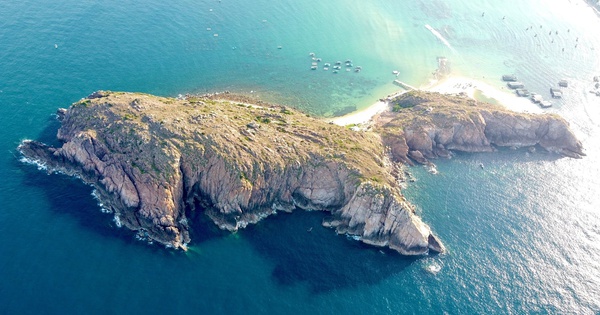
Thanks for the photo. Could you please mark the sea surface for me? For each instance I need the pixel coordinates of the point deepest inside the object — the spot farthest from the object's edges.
(523, 232)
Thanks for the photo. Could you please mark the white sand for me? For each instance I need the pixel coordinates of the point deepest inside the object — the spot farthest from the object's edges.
(362, 116)
(455, 85)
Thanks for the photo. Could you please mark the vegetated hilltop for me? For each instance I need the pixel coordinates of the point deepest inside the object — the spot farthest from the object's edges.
(154, 160)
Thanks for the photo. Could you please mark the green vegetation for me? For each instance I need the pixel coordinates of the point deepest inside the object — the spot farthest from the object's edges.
(163, 129)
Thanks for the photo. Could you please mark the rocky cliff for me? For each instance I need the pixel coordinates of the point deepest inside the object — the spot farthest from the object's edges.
(422, 126)
(152, 160)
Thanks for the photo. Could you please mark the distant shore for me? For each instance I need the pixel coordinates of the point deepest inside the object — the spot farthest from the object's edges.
(448, 85)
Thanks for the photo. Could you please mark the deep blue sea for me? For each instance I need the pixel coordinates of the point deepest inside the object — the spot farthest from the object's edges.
(523, 233)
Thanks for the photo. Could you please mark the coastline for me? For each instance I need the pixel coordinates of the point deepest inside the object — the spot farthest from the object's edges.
(362, 116)
(448, 85)
(458, 84)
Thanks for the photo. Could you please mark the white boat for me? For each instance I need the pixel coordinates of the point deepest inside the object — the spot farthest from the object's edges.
(55, 45)
(395, 72)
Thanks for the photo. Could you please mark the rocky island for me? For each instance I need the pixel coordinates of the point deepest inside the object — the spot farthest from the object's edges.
(154, 161)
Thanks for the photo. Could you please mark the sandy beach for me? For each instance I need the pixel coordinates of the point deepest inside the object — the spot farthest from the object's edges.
(361, 116)
(450, 85)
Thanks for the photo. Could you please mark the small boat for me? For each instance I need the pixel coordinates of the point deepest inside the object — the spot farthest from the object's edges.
(349, 65)
(326, 68)
(327, 64)
(337, 67)
(319, 59)
(216, 35)
(335, 71)
(279, 47)
(309, 229)
(311, 54)
(545, 104)
(313, 67)
(556, 93)
(395, 72)
(563, 83)
(536, 98)
(522, 92)
(348, 69)
(55, 46)
(481, 165)
(509, 78)
(338, 62)
(208, 29)
(356, 70)
(515, 85)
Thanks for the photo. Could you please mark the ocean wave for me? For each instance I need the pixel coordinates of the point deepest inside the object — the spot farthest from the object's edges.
(117, 220)
(39, 164)
(353, 237)
(103, 208)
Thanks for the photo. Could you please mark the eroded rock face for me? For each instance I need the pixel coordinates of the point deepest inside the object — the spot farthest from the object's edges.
(153, 159)
(424, 126)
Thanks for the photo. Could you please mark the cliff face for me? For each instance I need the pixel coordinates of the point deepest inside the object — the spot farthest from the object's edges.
(423, 126)
(153, 159)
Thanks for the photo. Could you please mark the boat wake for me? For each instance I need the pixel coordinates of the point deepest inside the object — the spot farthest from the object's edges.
(440, 37)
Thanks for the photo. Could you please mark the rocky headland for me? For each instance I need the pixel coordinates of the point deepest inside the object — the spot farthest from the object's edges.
(155, 161)
(422, 126)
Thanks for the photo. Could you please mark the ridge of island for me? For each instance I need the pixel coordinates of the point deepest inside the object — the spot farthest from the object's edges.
(153, 161)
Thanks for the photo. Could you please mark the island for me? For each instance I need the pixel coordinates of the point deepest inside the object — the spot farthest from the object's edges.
(154, 161)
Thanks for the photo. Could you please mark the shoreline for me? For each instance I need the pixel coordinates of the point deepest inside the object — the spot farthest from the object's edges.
(448, 85)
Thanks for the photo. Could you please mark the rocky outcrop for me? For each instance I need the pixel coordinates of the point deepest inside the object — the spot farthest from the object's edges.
(153, 160)
(423, 126)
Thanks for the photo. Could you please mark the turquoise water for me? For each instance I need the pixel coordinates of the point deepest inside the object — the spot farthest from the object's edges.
(523, 232)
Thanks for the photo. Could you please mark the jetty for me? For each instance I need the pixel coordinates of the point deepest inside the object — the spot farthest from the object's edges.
(405, 86)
